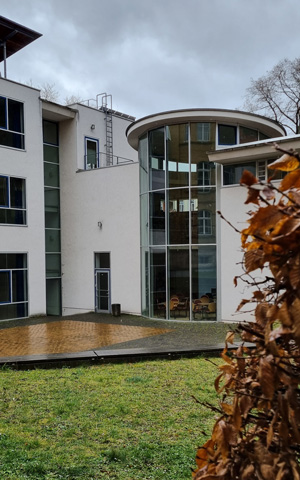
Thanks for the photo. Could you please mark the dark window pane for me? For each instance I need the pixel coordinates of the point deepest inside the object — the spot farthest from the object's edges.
(157, 218)
(177, 156)
(233, 173)
(51, 154)
(52, 212)
(51, 175)
(91, 160)
(53, 296)
(50, 132)
(9, 139)
(157, 158)
(9, 311)
(3, 112)
(178, 210)
(53, 265)
(4, 200)
(248, 135)
(179, 283)
(158, 283)
(17, 192)
(15, 116)
(19, 286)
(12, 217)
(227, 135)
(5, 295)
(52, 240)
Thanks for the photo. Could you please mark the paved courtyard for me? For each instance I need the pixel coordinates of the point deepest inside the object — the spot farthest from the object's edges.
(99, 337)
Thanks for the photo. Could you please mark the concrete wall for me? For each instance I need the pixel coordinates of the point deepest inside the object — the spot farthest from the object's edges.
(27, 164)
(230, 254)
(109, 195)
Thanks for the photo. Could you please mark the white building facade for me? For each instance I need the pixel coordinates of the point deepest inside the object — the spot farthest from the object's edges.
(90, 218)
(69, 218)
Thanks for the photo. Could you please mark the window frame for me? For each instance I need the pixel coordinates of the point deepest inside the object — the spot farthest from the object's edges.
(10, 267)
(205, 222)
(9, 206)
(17, 133)
(96, 142)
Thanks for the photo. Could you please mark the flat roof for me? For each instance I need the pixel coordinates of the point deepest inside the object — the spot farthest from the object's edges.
(15, 36)
(235, 117)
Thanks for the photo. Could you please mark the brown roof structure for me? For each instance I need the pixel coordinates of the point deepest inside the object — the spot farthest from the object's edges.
(14, 37)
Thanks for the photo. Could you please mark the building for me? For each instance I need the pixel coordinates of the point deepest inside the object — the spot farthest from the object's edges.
(187, 173)
(89, 218)
(69, 215)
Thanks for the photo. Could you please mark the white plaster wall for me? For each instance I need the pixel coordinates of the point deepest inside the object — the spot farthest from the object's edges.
(28, 164)
(109, 195)
(235, 211)
(88, 116)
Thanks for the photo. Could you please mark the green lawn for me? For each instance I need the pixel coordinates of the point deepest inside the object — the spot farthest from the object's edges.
(125, 422)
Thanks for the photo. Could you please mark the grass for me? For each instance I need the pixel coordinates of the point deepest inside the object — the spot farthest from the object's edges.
(123, 422)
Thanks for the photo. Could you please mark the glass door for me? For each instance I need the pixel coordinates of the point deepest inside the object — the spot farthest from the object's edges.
(102, 289)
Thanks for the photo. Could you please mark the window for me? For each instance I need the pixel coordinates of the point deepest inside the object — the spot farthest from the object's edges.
(204, 222)
(227, 135)
(91, 153)
(203, 132)
(233, 173)
(248, 135)
(13, 286)
(11, 123)
(12, 200)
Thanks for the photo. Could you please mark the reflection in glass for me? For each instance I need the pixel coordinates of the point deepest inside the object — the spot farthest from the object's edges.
(178, 216)
(144, 220)
(157, 158)
(248, 135)
(143, 160)
(202, 141)
(177, 156)
(203, 215)
(145, 282)
(158, 283)
(232, 174)
(179, 289)
(204, 281)
(157, 218)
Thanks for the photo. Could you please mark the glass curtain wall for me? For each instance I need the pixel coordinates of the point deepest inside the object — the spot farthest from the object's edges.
(178, 222)
(52, 218)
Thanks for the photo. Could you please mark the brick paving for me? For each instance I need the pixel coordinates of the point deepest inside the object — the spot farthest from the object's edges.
(98, 337)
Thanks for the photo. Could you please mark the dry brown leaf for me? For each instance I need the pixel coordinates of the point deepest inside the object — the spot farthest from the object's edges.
(227, 408)
(284, 316)
(292, 180)
(267, 376)
(248, 178)
(295, 313)
(229, 337)
(254, 259)
(286, 163)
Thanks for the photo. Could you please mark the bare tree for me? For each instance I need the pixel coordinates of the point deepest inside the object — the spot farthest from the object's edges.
(277, 94)
(72, 99)
(49, 92)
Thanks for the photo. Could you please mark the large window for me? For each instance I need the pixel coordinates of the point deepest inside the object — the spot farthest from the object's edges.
(52, 217)
(13, 286)
(178, 216)
(12, 200)
(11, 123)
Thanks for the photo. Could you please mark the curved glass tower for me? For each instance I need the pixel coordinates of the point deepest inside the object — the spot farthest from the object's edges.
(178, 192)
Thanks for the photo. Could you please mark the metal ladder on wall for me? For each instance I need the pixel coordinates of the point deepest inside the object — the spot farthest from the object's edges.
(106, 107)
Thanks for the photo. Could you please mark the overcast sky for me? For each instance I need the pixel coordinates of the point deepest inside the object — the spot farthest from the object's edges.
(153, 55)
